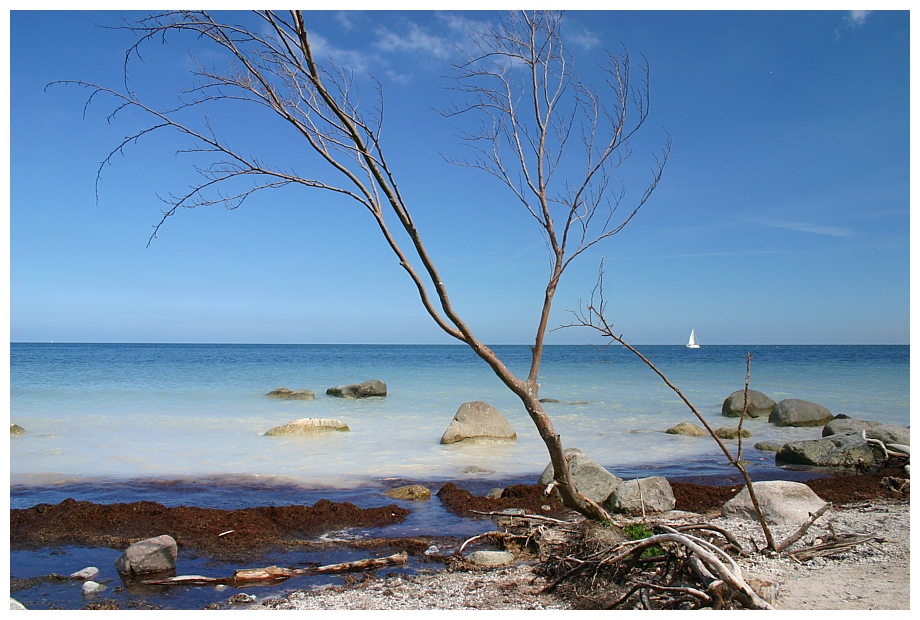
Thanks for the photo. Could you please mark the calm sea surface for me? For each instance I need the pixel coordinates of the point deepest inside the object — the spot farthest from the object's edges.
(185, 424)
(110, 417)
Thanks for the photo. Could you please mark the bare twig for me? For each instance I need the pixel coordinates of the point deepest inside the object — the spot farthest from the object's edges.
(795, 536)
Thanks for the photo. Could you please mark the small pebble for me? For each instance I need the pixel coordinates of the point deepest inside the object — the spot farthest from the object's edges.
(241, 598)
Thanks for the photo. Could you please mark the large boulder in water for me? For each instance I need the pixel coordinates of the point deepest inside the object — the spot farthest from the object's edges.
(153, 555)
(359, 390)
(591, 480)
(479, 422)
(308, 426)
(759, 405)
(654, 494)
(847, 450)
(784, 503)
(886, 433)
(796, 412)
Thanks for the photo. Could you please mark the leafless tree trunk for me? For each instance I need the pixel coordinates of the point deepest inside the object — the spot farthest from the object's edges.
(516, 76)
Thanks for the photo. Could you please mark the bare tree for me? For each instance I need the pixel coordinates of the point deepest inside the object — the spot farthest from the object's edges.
(518, 76)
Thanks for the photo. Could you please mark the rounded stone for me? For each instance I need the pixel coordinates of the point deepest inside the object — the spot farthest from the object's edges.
(415, 492)
(308, 426)
(87, 573)
(91, 587)
(797, 412)
(759, 405)
(686, 428)
(731, 432)
(491, 558)
(478, 422)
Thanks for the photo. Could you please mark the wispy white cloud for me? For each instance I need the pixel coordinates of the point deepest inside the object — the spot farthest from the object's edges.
(583, 38)
(851, 21)
(832, 231)
(416, 39)
(353, 59)
(857, 18)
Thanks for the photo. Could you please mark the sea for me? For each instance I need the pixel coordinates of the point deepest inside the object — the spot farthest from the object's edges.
(184, 424)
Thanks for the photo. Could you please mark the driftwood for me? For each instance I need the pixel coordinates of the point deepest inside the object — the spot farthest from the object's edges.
(274, 574)
(842, 543)
(718, 572)
(728, 536)
(812, 517)
(523, 516)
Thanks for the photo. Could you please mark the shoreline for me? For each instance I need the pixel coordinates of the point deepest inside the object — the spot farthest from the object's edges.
(374, 543)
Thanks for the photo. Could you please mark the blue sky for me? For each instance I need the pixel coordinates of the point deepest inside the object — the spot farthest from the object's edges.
(783, 215)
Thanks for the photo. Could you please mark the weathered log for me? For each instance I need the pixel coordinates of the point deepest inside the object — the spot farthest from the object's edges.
(397, 558)
(249, 576)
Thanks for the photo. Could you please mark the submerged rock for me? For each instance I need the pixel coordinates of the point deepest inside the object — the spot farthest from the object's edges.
(308, 426)
(654, 493)
(359, 390)
(414, 492)
(686, 428)
(783, 503)
(731, 432)
(289, 394)
(592, 480)
(479, 422)
(15, 429)
(759, 405)
(797, 412)
(153, 555)
(847, 450)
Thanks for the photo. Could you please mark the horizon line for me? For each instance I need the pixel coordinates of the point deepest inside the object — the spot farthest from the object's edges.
(462, 344)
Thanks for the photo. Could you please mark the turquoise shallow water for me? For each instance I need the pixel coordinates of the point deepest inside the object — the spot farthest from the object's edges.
(110, 412)
(184, 425)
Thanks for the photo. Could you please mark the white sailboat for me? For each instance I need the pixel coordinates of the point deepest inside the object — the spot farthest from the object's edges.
(693, 344)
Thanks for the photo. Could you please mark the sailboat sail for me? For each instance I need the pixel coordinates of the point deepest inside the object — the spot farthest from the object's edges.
(693, 344)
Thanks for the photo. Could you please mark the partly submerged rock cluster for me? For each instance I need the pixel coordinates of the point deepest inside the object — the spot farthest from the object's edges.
(844, 443)
(651, 494)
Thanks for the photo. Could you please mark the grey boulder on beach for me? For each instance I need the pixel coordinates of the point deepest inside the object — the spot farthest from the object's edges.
(844, 450)
(595, 482)
(367, 389)
(633, 496)
(153, 555)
